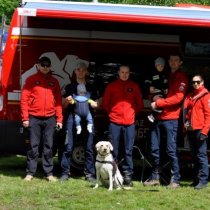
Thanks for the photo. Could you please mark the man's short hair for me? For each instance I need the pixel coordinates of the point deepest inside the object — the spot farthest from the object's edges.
(177, 54)
(45, 60)
(123, 65)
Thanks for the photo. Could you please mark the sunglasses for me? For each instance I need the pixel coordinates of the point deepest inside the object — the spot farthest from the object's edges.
(198, 82)
(45, 65)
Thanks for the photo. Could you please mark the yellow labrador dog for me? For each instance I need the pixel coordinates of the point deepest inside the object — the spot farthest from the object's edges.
(106, 168)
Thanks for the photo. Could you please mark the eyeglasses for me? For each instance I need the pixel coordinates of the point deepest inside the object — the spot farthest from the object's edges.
(45, 65)
(198, 82)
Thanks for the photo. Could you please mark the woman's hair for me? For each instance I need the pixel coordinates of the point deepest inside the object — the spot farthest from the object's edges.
(198, 75)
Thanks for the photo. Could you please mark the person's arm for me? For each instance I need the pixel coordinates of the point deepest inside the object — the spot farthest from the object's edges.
(179, 92)
(25, 95)
(67, 96)
(58, 105)
(93, 104)
(206, 109)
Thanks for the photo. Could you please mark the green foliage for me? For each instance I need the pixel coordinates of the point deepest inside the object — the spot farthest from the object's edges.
(7, 8)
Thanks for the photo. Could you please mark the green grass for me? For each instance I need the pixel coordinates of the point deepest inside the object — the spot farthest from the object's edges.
(77, 194)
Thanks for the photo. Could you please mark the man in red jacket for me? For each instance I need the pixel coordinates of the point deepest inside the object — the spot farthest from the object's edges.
(167, 123)
(41, 110)
(197, 123)
(122, 101)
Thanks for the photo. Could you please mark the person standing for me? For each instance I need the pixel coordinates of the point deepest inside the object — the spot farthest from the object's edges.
(70, 90)
(41, 111)
(197, 124)
(167, 123)
(122, 101)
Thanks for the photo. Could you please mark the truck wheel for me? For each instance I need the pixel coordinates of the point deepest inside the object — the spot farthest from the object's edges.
(78, 157)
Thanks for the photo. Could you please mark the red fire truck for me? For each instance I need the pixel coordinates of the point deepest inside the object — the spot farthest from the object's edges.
(102, 35)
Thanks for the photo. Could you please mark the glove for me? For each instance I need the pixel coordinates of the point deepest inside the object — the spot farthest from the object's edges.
(203, 137)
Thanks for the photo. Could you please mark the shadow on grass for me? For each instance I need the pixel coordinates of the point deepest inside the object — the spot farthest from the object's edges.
(15, 166)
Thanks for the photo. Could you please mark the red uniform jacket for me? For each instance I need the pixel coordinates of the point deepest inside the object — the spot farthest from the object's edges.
(171, 105)
(122, 100)
(41, 97)
(200, 110)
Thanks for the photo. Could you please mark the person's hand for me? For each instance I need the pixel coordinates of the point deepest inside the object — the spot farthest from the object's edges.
(156, 97)
(26, 123)
(203, 137)
(153, 105)
(94, 104)
(69, 99)
(59, 125)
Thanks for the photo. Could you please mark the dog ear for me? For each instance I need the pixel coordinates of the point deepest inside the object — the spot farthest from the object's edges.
(97, 146)
(110, 146)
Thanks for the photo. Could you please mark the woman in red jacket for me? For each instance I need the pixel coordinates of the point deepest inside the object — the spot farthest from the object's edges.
(197, 123)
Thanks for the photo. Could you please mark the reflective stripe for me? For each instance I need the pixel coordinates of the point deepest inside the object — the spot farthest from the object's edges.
(14, 96)
(1, 103)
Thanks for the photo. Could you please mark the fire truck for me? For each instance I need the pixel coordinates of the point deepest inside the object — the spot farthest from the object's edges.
(103, 36)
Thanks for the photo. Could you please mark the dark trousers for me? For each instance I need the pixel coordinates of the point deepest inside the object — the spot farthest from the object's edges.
(169, 129)
(200, 157)
(41, 128)
(127, 132)
(89, 167)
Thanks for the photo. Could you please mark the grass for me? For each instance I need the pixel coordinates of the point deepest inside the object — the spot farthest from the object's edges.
(77, 194)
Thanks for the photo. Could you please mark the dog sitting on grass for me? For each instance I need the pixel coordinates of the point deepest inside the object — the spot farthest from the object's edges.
(106, 168)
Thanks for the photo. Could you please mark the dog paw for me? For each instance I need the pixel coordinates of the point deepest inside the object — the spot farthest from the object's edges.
(96, 186)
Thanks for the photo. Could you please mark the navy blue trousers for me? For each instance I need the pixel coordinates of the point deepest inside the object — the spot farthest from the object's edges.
(128, 133)
(89, 167)
(168, 129)
(41, 128)
(200, 157)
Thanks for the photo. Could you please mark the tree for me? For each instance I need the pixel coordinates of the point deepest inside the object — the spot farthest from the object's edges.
(7, 8)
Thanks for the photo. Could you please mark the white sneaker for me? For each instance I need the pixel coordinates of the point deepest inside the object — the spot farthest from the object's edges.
(51, 178)
(151, 118)
(28, 178)
(90, 128)
(79, 129)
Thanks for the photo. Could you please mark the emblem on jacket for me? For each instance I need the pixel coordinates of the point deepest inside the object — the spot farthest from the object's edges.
(130, 90)
(51, 84)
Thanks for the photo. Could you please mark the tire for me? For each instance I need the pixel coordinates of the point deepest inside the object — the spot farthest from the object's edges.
(78, 157)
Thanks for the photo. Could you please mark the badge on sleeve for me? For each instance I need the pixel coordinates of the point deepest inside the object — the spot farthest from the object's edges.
(51, 84)
(209, 103)
(130, 90)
